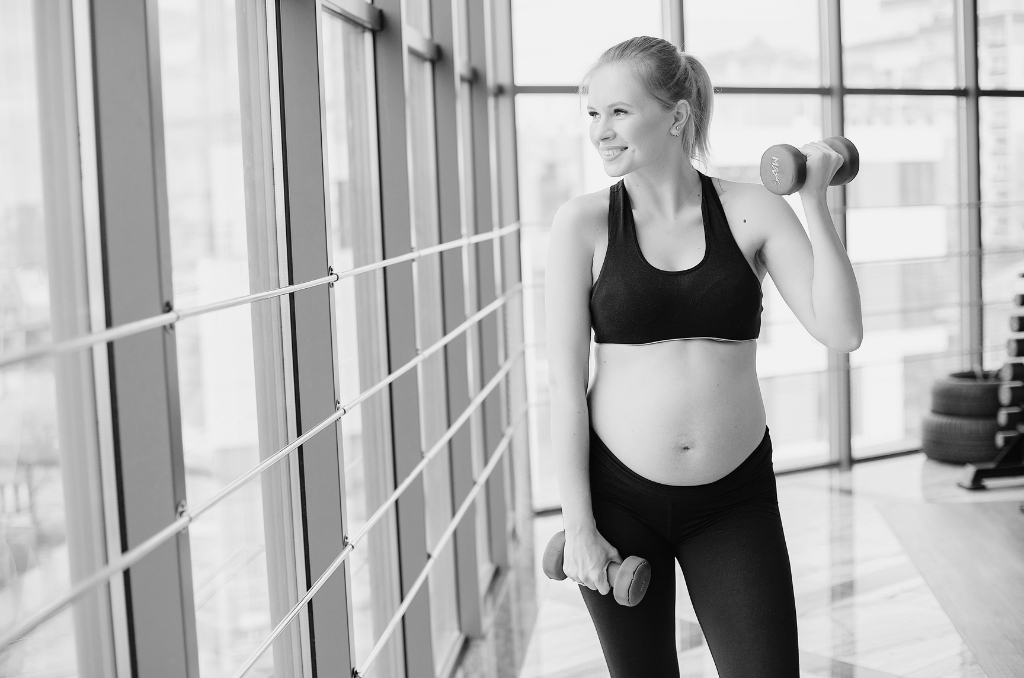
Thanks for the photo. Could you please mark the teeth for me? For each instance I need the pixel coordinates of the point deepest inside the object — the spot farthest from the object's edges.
(611, 152)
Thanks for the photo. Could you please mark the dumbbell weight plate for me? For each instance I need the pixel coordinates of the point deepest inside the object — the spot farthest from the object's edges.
(1013, 371)
(1008, 417)
(783, 169)
(554, 557)
(630, 580)
(1011, 393)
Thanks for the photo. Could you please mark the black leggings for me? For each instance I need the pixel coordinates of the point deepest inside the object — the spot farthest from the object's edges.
(727, 536)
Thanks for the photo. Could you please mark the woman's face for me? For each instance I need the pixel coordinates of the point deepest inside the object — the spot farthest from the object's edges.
(628, 127)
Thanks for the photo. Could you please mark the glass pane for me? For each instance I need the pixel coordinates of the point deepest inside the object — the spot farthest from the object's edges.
(791, 364)
(230, 364)
(904, 226)
(417, 15)
(360, 332)
(899, 44)
(556, 41)
(475, 424)
(1001, 44)
(431, 373)
(556, 159)
(51, 523)
(752, 43)
(1002, 219)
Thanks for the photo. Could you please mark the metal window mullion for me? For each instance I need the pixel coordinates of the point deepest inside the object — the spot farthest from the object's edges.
(840, 416)
(672, 22)
(448, 126)
(135, 231)
(321, 473)
(391, 69)
(972, 323)
(483, 164)
(510, 251)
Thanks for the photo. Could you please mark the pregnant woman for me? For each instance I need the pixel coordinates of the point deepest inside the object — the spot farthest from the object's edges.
(666, 454)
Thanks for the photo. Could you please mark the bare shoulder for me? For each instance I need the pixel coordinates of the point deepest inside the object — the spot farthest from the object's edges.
(748, 196)
(752, 206)
(582, 219)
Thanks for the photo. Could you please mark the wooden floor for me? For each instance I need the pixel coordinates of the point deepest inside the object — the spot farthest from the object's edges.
(972, 558)
(865, 610)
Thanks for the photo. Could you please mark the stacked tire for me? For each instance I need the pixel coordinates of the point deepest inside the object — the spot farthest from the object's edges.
(961, 427)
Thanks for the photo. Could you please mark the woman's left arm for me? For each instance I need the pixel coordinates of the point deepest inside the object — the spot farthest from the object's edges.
(814, 275)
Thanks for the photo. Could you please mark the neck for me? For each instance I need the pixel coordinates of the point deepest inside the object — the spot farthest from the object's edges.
(665, 188)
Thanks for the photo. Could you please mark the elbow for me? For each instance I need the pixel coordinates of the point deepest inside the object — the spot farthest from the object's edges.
(848, 343)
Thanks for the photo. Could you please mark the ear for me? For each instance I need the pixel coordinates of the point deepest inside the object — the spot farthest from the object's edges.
(681, 113)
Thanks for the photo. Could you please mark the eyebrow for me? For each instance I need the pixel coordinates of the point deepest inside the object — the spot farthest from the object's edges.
(614, 103)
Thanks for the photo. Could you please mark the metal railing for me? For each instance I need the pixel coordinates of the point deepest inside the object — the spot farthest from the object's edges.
(172, 316)
(187, 515)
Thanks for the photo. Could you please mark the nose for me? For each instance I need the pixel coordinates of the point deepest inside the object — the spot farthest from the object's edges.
(603, 130)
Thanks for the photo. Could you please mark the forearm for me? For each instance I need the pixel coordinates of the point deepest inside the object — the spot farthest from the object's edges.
(835, 295)
(570, 440)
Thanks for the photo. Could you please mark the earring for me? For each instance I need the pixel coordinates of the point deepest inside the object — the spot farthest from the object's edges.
(676, 131)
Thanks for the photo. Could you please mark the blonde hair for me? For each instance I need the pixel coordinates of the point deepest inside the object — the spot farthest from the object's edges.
(668, 75)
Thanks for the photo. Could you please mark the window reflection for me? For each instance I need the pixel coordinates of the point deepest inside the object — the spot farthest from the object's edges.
(753, 43)
(246, 540)
(899, 44)
(1002, 218)
(904, 223)
(1001, 44)
(556, 41)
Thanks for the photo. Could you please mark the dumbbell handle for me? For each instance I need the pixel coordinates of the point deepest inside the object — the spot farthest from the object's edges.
(556, 564)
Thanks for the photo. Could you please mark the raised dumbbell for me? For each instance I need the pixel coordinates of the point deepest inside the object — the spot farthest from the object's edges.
(784, 167)
(629, 579)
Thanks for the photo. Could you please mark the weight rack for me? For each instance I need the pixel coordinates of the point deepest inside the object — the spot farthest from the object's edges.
(1009, 462)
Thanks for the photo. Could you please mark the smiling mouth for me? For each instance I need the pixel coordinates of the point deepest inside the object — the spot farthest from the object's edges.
(611, 153)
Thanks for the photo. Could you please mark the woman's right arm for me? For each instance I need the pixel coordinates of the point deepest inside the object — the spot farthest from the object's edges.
(567, 304)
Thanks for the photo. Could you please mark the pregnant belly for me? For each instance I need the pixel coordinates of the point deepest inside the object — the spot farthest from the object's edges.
(681, 412)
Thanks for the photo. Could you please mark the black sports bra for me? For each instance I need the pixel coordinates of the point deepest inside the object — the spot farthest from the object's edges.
(633, 302)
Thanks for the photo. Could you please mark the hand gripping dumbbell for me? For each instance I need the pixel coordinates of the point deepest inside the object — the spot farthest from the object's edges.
(784, 167)
(629, 579)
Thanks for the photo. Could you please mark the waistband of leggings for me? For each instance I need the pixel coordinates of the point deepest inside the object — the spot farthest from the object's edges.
(758, 462)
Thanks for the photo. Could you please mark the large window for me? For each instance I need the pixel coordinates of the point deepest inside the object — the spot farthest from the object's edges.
(204, 392)
(359, 327)
(230, 363)
(753, 43)
(903, 234)
(54, 442)
(431, 375)
(907, 217)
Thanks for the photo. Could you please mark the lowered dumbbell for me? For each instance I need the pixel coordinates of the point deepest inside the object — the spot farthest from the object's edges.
(629, 579)
(784, 167)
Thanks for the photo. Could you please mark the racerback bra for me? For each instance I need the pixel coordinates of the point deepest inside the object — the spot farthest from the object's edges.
(633, 302)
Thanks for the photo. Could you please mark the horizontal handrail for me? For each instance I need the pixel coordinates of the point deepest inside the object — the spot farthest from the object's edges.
(350, 542)
(186, 516)
(441, 542)
(172, 316)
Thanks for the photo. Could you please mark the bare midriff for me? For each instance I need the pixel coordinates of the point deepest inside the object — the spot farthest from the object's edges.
(681, 412)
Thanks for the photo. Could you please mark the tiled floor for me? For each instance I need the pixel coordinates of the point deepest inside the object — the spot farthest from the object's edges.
(864, 609)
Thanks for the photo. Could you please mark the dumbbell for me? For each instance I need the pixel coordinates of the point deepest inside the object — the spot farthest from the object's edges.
(629, 579)
(784, 167)
(1012, 371)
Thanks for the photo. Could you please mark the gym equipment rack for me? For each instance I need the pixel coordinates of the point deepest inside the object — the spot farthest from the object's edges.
(1010, 436)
